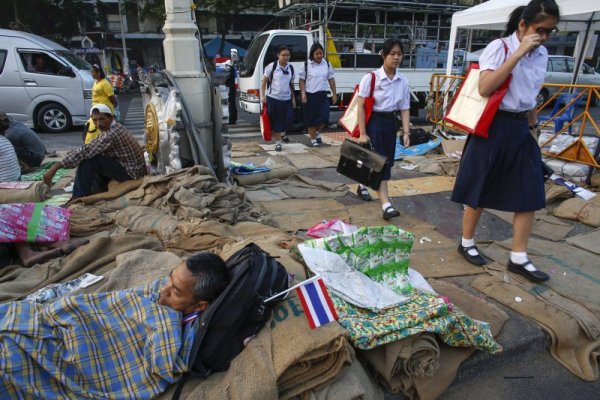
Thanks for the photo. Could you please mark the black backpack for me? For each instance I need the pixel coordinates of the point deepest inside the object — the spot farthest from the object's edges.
(419, 136)
(273, 73)
(238, 313)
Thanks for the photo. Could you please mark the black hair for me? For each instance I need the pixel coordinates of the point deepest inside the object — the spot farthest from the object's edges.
(211, 275)
(282, 48)
(316, 46)
(534, 12)
(389, 44)
(98, 69)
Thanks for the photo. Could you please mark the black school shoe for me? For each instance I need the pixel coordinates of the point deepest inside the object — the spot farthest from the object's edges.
(476, 260)
(390, 212)
(535, 276)
(285, 138)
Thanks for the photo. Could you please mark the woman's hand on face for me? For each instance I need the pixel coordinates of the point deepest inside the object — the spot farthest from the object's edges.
(529, 43)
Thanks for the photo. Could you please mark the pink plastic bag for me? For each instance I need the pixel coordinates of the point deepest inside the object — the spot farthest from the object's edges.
(328, 228)
(33, 223)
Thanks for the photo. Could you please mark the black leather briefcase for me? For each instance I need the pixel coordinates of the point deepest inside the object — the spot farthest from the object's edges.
(360, 163)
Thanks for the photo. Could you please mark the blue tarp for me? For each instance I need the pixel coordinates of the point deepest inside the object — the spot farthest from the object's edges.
(417, 150)
(212, 48)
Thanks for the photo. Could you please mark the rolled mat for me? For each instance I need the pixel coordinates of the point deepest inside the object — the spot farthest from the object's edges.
(35, 193)
(398, 363)
(279, 172)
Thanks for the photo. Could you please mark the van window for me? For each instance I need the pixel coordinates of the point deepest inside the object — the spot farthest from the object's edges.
(557, 65)
(2, 60)
(74, 59)
(249, 61)
(39, 63)
(570, 64)
(298, 46)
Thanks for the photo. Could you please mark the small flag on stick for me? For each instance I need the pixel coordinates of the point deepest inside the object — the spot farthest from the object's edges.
(316, 303)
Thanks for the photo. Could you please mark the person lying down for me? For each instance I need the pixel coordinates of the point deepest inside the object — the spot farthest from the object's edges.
(131, 343)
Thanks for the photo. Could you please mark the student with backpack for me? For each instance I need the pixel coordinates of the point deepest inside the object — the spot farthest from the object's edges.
(314, 80)
(277, 89)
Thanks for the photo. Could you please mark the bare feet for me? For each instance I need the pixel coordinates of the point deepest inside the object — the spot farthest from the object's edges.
(69, 246)
(30, 257)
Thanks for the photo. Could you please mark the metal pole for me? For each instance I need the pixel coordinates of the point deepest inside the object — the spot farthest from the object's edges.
(125, 59)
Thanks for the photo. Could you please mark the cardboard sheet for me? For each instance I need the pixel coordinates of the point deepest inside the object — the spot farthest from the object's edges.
(544, 225)
(294, 214)
(588, 241)
(307, 160)
(415, 186)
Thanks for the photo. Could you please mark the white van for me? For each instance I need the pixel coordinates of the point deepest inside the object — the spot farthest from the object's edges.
(43, 84)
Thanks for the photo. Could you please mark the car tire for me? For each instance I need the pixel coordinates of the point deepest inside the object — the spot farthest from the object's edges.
(541, 98)
(54, 118)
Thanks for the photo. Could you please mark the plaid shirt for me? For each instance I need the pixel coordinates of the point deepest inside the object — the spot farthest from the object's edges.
(117, 345)
(117, 143)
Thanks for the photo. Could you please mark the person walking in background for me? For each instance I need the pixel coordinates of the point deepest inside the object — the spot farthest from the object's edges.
(314, 81)
(28, 146)
(504, 172)
(392, 99)
(277, 88)
(231, 85)
(102, 93)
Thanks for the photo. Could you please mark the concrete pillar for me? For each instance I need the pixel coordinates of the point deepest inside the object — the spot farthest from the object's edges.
(182, 59)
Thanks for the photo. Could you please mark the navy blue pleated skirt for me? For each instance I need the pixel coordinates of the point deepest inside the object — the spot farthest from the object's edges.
(503, 172)
(315, 111)
(382, 134)
(281, 114)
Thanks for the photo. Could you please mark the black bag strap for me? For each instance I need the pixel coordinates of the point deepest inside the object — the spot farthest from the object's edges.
(273, 72)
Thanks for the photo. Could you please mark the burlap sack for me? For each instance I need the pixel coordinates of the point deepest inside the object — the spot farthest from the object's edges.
(577, 209)
(147, 220)
(87, 220)
(352, 382)
(35, 193)
(96, 257)
(397, 364)
(196, 235)
(280, 172)
(595, 180)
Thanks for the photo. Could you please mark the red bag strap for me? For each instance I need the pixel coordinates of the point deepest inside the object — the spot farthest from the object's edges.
(372, 84)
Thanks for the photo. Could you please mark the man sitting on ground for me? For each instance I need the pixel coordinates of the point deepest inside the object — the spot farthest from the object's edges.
(28, 145)
(115, 154)
(135, 347)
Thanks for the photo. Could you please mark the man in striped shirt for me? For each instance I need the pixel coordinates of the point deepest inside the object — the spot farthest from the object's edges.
(10, 170)
(115, 154)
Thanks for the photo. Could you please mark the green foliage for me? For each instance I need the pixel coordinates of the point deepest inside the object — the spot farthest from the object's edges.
(45, 17)
(154, 9)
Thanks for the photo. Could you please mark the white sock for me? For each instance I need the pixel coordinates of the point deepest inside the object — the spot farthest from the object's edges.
(313, 141)
(318, 134)
(362, 186)
(384, 206)
(277, 142)
(468, 243)
(521, 258)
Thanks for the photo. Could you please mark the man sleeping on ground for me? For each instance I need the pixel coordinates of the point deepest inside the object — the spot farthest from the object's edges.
(125, 344)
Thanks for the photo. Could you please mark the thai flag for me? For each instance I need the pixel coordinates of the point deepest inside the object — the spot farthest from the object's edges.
(316, 303)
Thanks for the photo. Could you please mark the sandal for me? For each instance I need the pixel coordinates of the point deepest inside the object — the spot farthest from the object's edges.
(390, 212)
(363, 193)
